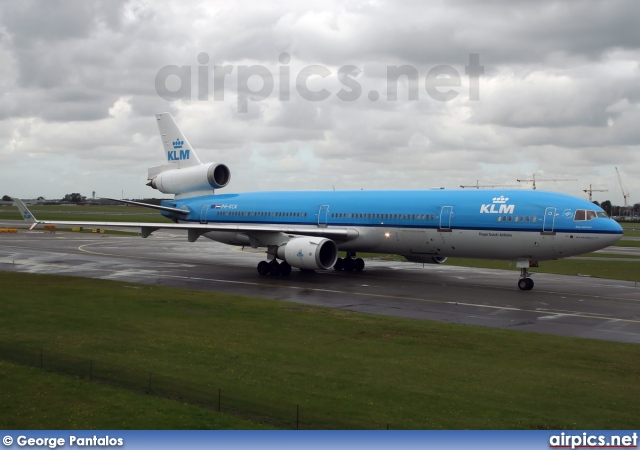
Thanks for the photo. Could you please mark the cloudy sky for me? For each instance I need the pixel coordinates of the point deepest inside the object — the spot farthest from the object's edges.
(301, 95)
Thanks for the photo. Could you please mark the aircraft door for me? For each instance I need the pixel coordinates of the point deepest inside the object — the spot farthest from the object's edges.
(445, 218)
(203, 213)
(549, 220)
(323, 213)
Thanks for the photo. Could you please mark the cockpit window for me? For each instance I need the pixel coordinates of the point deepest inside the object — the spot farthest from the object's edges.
(602, 215)
(582, 214)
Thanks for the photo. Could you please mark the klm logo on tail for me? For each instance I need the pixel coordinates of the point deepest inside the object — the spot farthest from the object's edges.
(175, 155)
(498, 206)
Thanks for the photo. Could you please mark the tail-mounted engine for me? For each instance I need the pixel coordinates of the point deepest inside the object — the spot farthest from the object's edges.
(200, 178)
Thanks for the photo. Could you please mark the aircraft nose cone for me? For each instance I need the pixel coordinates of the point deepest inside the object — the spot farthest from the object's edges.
(617, 232)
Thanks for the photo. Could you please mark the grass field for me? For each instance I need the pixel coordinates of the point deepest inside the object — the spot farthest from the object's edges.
(34, 399)
(614, 270)
(627, 244)
(97, 213)
(346, 370)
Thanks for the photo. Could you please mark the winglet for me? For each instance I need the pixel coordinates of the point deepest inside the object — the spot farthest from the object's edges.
(26, 214)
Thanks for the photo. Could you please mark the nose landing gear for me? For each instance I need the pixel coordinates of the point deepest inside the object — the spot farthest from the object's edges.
(525, 283)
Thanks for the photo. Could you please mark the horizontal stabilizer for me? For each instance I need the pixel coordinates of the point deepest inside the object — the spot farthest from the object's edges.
(26, 214)
(24, 211)
(147, 205)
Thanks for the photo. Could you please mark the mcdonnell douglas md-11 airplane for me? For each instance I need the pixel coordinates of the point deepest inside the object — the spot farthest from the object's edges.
(306, 229)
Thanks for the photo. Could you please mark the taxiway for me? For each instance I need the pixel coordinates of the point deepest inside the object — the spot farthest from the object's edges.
(563, 305)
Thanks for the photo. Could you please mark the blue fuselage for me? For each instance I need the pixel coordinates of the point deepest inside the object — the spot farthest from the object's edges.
(502, 224)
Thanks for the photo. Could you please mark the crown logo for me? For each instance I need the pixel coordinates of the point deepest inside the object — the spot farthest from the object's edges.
(500, 199)
(177, 143)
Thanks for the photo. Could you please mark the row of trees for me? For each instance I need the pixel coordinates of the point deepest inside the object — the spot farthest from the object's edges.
(70, 198)
(616, 210)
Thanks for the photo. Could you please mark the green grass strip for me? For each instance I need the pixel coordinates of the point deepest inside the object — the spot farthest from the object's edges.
(614, 270)
(345, 370)
(35, 399)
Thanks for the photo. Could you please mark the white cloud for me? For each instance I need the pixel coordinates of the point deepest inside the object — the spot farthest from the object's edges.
(559, 95)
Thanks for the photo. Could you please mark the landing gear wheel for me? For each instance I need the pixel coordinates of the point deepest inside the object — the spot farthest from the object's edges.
(349, 264)
(339, 265)
(525, 284)
(263, 268)
(285, 269)
(359, 264)
(274, 267)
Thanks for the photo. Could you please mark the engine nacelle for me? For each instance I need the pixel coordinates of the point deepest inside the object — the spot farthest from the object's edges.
(203, 177)
(425, 259)
(311, 253)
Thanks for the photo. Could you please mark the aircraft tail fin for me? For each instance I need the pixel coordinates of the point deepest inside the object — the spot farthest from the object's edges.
(184, 175)
(177, 149)
(25, 213)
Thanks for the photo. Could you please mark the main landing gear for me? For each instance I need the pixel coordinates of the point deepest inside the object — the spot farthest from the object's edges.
(273, 267)
(525, 283)
(350, 263)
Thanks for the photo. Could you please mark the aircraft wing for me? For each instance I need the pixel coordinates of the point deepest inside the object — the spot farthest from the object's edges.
(341, 234)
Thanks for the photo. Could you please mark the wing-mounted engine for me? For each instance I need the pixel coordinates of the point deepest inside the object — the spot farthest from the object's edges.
(202, 178)
(425, 259)
(310, 253)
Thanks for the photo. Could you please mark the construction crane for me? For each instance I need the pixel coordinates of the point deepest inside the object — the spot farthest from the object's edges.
(625, 195)
(591, 191)
(533, 180)
(486, 186)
